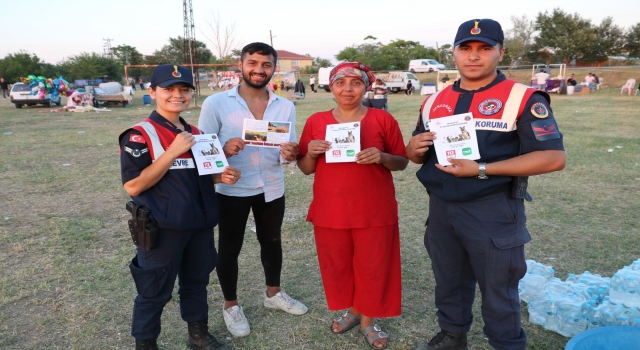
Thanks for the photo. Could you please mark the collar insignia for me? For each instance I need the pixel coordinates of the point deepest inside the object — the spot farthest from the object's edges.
(476, 30)
(175, 72)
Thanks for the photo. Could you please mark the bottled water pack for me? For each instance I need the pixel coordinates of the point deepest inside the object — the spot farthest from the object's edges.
(582, 301)
(625, 286)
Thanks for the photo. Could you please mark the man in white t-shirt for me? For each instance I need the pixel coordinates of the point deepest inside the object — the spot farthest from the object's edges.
(591, 81)
(312, 83)
(542, 79)
(379, 88)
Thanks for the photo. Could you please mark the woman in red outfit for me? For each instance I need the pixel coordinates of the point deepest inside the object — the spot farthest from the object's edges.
(354, 210)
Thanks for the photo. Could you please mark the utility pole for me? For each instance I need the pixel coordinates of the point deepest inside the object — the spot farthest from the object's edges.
(107, 47)
(189, 49)
(277, 66)
(438, 49)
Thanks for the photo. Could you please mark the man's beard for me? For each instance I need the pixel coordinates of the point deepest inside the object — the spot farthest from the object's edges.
(247, 81)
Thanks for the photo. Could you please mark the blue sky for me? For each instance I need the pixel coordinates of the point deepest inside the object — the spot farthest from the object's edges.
(54, 30)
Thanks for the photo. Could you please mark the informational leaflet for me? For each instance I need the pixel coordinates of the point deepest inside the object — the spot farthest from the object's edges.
(345, 142)
(264, 133)
(455, 137)
(208, 154)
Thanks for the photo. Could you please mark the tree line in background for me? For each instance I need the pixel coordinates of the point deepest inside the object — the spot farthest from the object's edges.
(560, 37)
(556, 37)
(96, 65)
(550, 38)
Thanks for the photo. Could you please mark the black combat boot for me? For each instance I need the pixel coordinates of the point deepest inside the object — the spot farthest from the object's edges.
(200, 339)
(146, 344)
(446, 341)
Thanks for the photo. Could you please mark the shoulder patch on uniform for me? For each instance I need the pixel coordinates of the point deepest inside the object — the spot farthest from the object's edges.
(539, 110)
(136, 152)
(545, 129)
(137, 138)
(490, 106)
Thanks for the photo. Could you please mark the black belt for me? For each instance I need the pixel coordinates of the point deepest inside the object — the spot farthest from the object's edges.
(504, 188)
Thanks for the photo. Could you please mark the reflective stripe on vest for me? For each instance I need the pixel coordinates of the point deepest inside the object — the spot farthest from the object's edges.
(509, 113)
(158, 150)
(511, 107)
(427, 107)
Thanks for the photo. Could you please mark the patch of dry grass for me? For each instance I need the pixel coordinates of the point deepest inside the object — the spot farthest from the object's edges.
(64, 246)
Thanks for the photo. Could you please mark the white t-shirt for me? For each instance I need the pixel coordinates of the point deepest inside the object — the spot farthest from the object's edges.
(542, 77)
(379, 89)
(312, 80)
(590, 79)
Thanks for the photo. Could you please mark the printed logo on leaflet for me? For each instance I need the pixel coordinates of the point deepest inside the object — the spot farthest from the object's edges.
(451, 153)
(466, 151)
(206, 165)
(336, 153)
(351, 153)
(219, 163)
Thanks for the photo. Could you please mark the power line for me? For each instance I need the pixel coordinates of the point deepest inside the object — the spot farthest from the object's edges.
(107, 47)
(189, 48)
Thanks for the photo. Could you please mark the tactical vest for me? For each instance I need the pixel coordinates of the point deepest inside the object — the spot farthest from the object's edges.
(495, 111)
(181, 200)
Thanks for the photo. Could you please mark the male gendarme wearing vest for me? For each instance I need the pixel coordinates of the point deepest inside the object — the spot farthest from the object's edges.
(168, 195)
(476, 225)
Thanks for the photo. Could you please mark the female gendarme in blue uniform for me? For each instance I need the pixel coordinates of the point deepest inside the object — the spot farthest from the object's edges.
(159, 172)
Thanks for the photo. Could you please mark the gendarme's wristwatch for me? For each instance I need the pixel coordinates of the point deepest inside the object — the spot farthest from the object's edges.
(482, 171)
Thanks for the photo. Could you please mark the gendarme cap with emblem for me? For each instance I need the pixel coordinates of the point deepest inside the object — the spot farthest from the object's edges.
(169, 74)
(485, 30)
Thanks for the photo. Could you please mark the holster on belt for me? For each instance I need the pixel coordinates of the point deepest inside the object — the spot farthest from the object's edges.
(144, 232)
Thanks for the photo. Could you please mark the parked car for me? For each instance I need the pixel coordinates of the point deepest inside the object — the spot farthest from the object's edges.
(20, 95)
(425, 65)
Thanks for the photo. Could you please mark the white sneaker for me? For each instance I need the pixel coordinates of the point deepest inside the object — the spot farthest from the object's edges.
(236, 322)
(285, 303)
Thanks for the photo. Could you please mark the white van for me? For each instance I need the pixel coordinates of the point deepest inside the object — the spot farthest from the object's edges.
(425, 65)
(323, 78)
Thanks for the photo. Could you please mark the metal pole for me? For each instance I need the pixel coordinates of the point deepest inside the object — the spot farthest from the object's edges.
(277, 66)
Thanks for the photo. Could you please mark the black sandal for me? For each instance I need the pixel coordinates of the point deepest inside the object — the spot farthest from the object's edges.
(379, 334)
(347, 321)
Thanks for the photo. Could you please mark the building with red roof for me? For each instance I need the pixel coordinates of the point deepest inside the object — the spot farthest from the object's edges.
(289, 61)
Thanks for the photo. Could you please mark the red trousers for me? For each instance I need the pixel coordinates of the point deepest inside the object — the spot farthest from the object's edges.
(360, 268)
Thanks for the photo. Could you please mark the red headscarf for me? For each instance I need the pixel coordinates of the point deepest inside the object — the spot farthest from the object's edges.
(352, 69)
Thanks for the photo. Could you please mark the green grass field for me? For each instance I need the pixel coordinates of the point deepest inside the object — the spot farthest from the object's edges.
(65, 248)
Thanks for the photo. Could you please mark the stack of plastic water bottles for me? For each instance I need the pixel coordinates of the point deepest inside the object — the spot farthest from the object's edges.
(582, 301)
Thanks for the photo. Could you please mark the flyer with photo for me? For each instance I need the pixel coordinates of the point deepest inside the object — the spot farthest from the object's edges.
(208, 154)
(345, 142)
(455, 137)
(264, 133)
